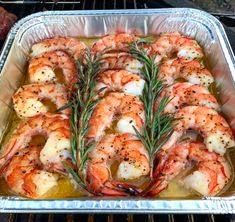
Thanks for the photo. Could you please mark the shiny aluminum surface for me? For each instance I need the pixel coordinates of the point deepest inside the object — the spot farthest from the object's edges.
(203, 27)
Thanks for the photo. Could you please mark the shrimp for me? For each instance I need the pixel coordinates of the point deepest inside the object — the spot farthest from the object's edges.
(212, 173)
(192, 71)
(116, 42)
(213, 127)
(73, 47)
(171, 43)
(57, 149)
(129, 109)
(28, 98)
(185, 94)
(120, 80)
(133, 161)
(121, 61)
(42, 68)
(25, 176)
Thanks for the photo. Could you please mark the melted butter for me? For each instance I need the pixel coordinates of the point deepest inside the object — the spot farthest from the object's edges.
(51, 107)
(175, 190)
(59, 75)
(65, 189)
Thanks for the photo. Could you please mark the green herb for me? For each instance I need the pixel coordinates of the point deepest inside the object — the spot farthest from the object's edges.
(158, 125)
(82, 102)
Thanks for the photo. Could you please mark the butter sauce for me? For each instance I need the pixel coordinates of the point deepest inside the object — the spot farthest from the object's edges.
(65, 188)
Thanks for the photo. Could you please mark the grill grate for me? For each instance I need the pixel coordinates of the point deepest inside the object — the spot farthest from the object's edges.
(24, 8)
(115, 218)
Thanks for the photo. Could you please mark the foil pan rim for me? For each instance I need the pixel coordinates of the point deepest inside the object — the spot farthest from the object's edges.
(119, 205)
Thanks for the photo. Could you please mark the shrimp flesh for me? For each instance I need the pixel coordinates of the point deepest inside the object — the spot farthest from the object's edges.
(213, 127)
(28, 98)
(25, 176)
(186, 94)
(57, 149)
(192, 71)
(42, 68)
(169, 44)
(121, 61)
(118, 42)
(128, 108)
(73, 47)
(133, 161)
(211, 175)
(120, 80)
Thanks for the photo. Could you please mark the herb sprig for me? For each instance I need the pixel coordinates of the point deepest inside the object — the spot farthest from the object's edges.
(83, 99)
(159, 125)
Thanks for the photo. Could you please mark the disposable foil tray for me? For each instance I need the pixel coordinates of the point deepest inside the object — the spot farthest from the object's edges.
(206, 29)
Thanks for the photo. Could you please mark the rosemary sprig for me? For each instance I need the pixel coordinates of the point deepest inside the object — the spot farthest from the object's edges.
(158, 125)
(82, 102)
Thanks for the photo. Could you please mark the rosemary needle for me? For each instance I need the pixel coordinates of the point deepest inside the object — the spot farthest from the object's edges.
(158, 125)
(82, 103)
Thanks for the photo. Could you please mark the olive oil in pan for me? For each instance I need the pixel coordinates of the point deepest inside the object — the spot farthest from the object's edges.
(65, 188)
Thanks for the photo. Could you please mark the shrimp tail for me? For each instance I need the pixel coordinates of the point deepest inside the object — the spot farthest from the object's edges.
(127, 188)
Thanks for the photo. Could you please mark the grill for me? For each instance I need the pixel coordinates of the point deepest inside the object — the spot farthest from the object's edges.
(27, 7)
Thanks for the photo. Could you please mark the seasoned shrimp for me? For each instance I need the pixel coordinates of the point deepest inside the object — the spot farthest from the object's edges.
(121, 61)
(213, 127)
(25, 176)
(133, 163)
(186, 94)
(192, 71)
(118, 42)
(28, 98)
(57, 148)
(210, 177)
(120, 80)
(42, 68)
(129, 109)
(73, 47)
(171, 43)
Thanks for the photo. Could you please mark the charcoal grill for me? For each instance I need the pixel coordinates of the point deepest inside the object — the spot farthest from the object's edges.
(27, 7)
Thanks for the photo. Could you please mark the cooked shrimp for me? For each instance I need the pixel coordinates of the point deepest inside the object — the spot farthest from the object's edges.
(171, 43)
(213, 127)
(129, 109)
(192, 71)
(133, 163)
(120, 80)
(210, 177)
(118, 42)
(25, 176)
(57, 148)
(121, 61)
(42, 68)
(186, 94)
(73, 47)
(28, 98)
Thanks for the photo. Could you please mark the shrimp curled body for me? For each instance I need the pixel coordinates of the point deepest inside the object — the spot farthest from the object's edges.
(129, 108)
(213, 127)
(133, 163)
(27, 99)
(72, 46)
(42, 68)
(192, 71)
(25, 176)
(171, 43)
(120, 80)
(211, 174)
(57, 148)
(186, 94)
(118, 42)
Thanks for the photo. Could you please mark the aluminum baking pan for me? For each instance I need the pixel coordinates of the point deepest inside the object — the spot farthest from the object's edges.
(206, 29)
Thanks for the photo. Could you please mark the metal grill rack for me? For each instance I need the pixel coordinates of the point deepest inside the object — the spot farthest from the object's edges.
(27, 7)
